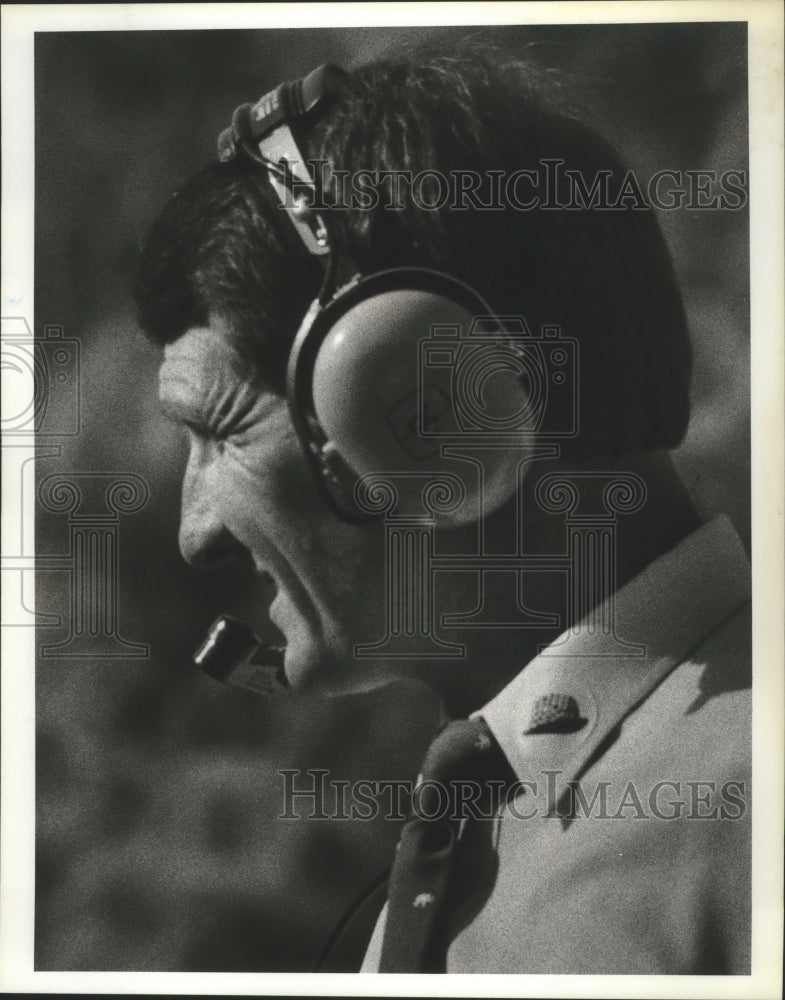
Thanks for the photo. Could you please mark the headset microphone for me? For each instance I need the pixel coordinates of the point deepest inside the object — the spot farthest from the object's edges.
(392, 376)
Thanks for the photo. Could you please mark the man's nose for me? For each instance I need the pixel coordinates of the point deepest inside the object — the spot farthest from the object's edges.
(204, 539)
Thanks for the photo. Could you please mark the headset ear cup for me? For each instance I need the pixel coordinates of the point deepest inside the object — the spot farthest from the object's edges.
(394, 380)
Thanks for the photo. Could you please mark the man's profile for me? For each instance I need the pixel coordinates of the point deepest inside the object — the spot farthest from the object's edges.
(594, 633)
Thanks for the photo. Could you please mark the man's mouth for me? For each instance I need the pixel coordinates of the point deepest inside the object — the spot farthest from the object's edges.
(270, 654)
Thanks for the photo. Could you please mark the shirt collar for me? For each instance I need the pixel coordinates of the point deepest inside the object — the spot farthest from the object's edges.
(659, 616)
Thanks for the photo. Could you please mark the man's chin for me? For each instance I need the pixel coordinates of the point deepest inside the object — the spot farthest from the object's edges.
(323, 673)
(307, 668)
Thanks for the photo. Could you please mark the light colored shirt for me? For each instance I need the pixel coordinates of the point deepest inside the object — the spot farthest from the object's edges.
(650, 871)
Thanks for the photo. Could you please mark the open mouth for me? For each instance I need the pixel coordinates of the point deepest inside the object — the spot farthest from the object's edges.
(231, 651)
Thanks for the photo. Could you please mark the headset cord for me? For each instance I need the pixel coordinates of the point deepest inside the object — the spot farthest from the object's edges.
(350, 913)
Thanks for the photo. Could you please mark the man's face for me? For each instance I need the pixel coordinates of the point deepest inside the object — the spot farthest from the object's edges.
(248, 490)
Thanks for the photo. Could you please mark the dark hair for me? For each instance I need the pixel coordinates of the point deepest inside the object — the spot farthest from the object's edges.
(604, 276)
(221, 245)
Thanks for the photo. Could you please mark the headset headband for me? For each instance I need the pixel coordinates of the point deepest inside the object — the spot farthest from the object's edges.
(262, 131)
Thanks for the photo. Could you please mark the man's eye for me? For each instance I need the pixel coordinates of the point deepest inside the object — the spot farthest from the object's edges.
(202, 437)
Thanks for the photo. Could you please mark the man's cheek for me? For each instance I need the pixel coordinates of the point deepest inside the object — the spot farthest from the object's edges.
(279, 477)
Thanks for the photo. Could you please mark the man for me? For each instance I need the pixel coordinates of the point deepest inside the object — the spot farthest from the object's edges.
(593, 629)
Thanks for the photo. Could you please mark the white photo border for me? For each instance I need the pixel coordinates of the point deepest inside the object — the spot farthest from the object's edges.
(765, 33)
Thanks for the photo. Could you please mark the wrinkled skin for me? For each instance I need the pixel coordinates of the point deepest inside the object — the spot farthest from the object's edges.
(247, 490)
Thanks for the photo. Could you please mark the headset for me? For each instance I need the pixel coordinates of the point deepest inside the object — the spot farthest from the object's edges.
(381, 372)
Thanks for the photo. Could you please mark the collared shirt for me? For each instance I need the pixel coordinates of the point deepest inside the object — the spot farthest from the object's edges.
(627, 849)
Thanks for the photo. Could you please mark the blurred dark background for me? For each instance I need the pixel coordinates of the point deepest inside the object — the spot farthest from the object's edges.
(159, 846)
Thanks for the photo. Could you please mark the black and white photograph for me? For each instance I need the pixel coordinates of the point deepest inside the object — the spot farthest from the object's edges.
(392, 486)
